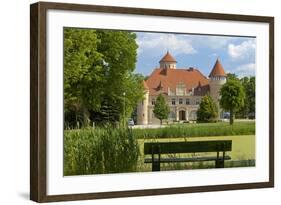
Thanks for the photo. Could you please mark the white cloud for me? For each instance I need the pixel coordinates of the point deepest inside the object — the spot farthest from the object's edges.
(214, 55)
(214, 42)
(246, 70)
(188, 44)
(245, 50)
(163, 42)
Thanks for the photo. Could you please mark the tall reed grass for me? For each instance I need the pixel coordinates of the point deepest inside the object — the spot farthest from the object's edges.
(100, 151)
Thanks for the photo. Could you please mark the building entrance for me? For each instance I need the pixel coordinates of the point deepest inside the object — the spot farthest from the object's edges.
(182, 115)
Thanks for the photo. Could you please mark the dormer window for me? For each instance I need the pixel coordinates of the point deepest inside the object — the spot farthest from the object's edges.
(180, 90)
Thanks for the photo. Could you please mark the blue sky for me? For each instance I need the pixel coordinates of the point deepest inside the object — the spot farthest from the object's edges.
(237, 54)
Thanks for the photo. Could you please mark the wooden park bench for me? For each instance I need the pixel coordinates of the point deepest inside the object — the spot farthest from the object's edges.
(156, 149)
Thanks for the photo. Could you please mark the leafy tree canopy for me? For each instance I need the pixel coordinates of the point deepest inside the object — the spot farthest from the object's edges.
(248, 110)
(249, 85)
(232, 76)
(232, 97)
(98, 69)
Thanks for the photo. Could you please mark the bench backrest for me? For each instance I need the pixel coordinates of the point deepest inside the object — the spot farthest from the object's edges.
(187, 147)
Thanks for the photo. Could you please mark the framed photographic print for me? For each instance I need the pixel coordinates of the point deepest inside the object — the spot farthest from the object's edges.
(135, 102)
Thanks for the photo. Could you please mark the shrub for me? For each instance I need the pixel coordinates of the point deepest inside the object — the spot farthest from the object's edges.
(161, 109)
(100, 151)
(197, 130)
(208, 110)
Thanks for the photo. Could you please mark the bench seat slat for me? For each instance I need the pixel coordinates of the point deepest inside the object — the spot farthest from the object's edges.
(187, 147)
(193, 159)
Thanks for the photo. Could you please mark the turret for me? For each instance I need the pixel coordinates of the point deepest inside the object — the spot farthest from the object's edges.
(217, 79)
(168, 61)
(142, 109)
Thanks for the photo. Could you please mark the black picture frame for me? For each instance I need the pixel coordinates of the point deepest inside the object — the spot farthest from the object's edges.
(38, 103)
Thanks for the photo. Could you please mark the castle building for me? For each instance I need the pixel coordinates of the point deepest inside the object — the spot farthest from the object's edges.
(182, 88)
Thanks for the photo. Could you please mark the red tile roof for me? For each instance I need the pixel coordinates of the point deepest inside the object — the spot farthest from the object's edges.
(170, 78)
(145, 85)
(168, 58)
(218, 70)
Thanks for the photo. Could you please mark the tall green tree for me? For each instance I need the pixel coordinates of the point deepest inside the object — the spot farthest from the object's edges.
(83, 72)
(251, 95)
(161, 108)
(232, 97)
(98, 68)
(208, 110)
(249, 105)
(249, 85)
(119, 49)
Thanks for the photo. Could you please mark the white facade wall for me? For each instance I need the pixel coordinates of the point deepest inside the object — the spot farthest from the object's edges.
(142, 110)
(175, 109)
(168, 65)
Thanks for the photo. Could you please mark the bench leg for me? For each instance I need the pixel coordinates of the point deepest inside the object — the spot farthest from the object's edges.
(155, 166)
(219, 163)
(156, 162)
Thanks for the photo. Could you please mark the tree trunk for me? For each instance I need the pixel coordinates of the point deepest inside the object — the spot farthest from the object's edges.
(86, 117)
(76, 120)
(231, 117)
(160, 122)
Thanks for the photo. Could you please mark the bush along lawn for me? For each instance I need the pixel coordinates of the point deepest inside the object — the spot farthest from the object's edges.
(100, 151)
(197, 130)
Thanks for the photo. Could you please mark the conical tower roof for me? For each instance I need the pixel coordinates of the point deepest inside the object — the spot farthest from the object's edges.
(168, 58)
(218, 70)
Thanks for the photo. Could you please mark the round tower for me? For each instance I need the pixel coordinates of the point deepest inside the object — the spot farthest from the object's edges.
(217, 79)
(142, 109)
(168, 61)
